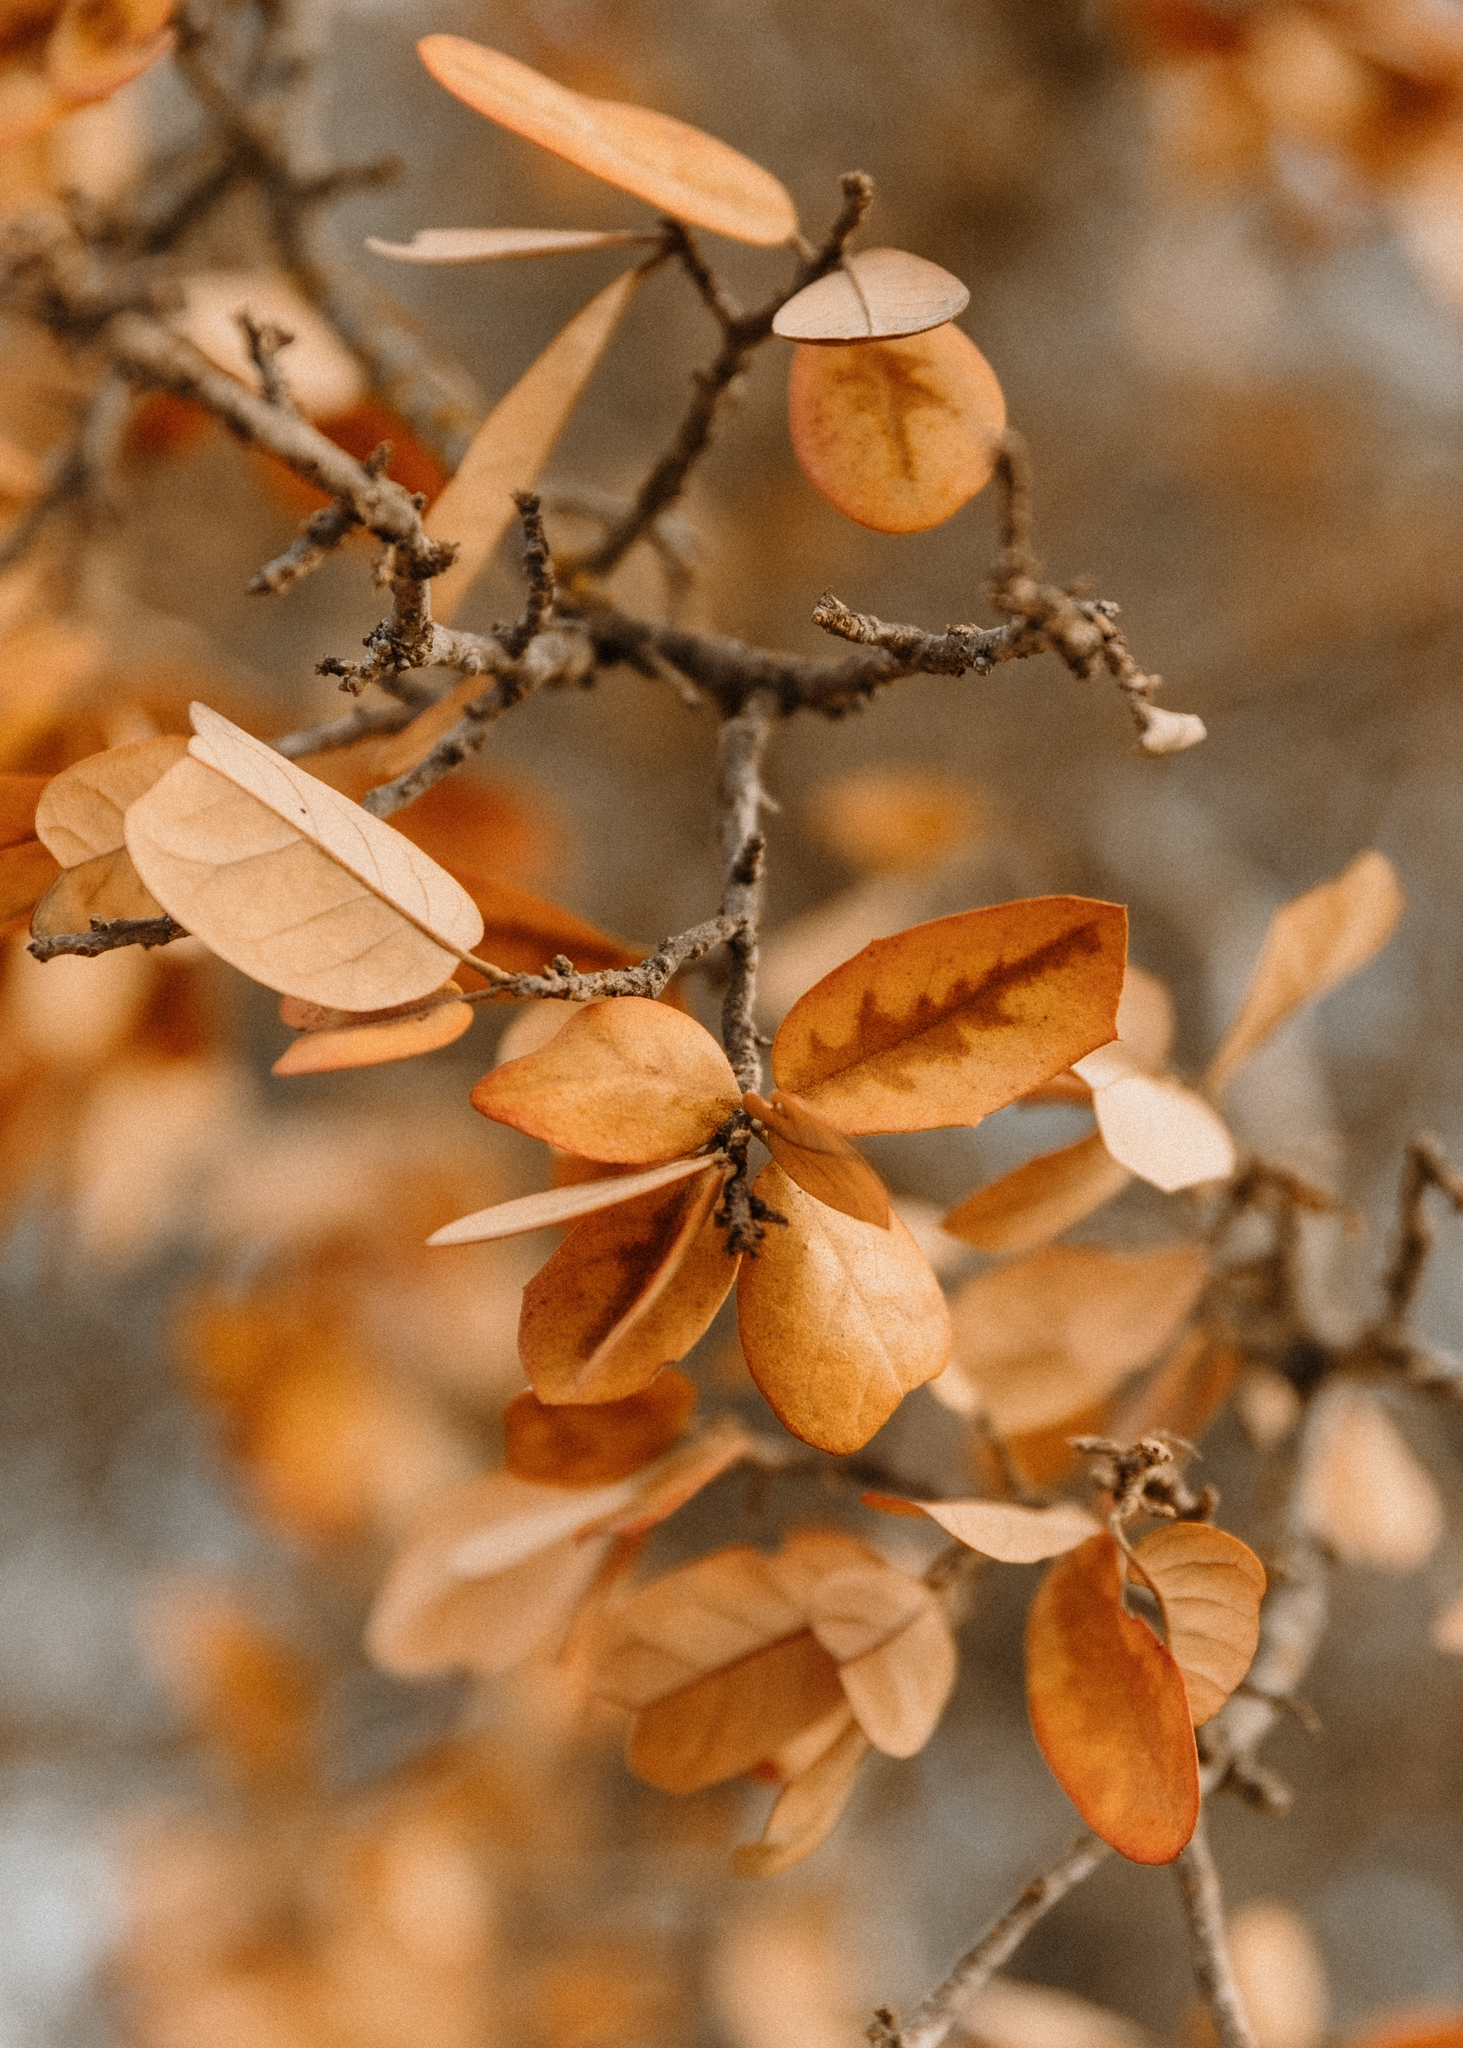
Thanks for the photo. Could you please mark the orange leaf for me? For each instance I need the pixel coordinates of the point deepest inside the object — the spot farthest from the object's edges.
(567, 1203)
(19, 799)
(94, 50)
(513, 443)
(1037, 1201)
(629, 1290)
(27, 871)
(1001, 1529)
(1363, 1490)
(674, 168)
(1183, 1396)
(896, 1655)
(809, 1807)
(947, 1021)
(839, 1319)
(896, 434)
(495, 245)
(598, 1442)
(627, 1081)
(323, 375)
(670, 1483)
(721, 1725)
(376, 1037)
(1109, 1709)
(894, 820)
(877, 295)
(819, 1158)
(1209, 1586)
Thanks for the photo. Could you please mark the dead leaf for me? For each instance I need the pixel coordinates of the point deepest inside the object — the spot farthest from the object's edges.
(27, 872)
(673, 167)
(495, 245)
(291, 882)
(595, 1443)
(1209, 1586)
(1001, 1529)
(1036, 1202)
(628, 1081)
(896, 1656)
(877, 295)
(80, 816)
(1363, 1491)
(819, 1158)
(1109, 1709)
(1280, 1974)
(1182, 1396)
(108, 887)
(839, 1319)
(896, 434)
(350, 1039)
(1007, 2012)
(20, 798)
(808, 1808)
(1313, 942)
(947, 1021)
(673, 1479)
(566, 1204)
(513, 443)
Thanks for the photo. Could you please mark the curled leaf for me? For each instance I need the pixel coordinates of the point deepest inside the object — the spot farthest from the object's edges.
(353, 1040)
(674, 167)
(819, 1158)
(1036, 1202)
(1109, 1709)
(896, 434)
(877, 295)
(839, 1319)
(1001, 1529)
(565, 1204)
(947, 1021)
(495, 245)
(1209, 1586)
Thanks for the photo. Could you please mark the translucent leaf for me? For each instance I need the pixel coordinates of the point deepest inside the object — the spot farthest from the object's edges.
(1313, 942)
(27, 872)
(877, 295)
(80, 816)
(108, 887)
(1036, 1202)
(513, 442)
(1109, 1709)
(597, 1443)
(402, 1033)
(1209, 1586)
(807, 1809)
(896, 434)
(495, 245)
(1363, 1492)
(1001, 1529)
(565, 1204)
(947, 1021)
(291, 882)
(1156, 1127)
(839, 1320)
(673, 167)
(628, 1081)
(1280, 1974)
(819, 1158)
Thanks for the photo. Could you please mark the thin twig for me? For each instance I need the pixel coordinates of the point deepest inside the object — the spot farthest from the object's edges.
(107, 935)
(538, 568)
(1213, 1971)
(1425, 1166)
(649, 977)
(742, 742)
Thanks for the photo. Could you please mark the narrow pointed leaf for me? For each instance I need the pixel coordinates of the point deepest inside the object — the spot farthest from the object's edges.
(403, 1033)
(80, 815)
(565, 1204)
(1209, 1586)
(627, 1081)
(896, 434)
(839, 1319)
(291, 882)
(1313, 942)
(1109, 1709)
(108, 887)
(673, 167)
(496, 245)
(877, 295)
(1001, 1529)
(513, 443)
(1036, 1202)
(819, 1158)
(947, 1021)
(595, 1444)
(807, 1809)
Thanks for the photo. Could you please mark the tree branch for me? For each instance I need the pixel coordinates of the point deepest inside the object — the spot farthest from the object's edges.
(741, 744)
(1208, 1946)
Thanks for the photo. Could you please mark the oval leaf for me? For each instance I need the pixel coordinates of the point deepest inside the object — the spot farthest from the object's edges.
(1001, 1529)
(80, 815)
(725, 1723)
(672, 166)
(496, 245)
(839, 1320)
(878, 295)
(947, 1021)
(292, 883)
(564, 1204)
(108, 887)
(513, 443)
(896, 434)
(599, 1442)
(1162, 1131)
(808, 1809)
(401, 1034)
(819, 1158)
(628, 1081)
(1364, 1492)
(896, 1655)
(1209, 1586)
(1109, 1709)
(1037, 1201)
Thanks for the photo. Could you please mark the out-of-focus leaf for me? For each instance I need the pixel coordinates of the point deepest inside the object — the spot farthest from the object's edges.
(674, 167)
(1313, 942)
(1036, 1202)
(565, 1204)
(1001, 1529)
(1109, 1709)
(894, 820)
(80, 815)
(371, 1040)
(595, 1444)
(896, 434)
(1209, 1586)
(91, 52)
(896, 1655)
(1280, 1974)
(20, 799)
(27, 872)
(1154, 1125)
(495, 245)
(1362, 1490)
(877, 295)
(809, 1808)
(819, 1158)
(839, 1319)
(1182, 1396)
(322, 374)
(1446, 1633)
(947, 1021)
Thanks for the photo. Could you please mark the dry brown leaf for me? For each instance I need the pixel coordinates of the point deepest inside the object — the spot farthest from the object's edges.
(628, 1081)
(1154, 1125)
(566, 1204)
(717, 1611)
(1036, 1202)
(1109, 1709)
(819, 1158)
(80, 816)
(809, 1807)
(896, 1656)
(20, 799)
(630, 1290)
(1001, 1529)
(673, 167)
(877, 295)
(1280, 1974)
(90, 53)
(108, 887)
(401, 1033)
(839, 1320)
(1051, 1333)
(947, 1021)
(291, 882)
(323, 376)
(595, 1444)
(1363, 1491)
(720, 1725)
(513, 443)
(1313, 942)
(495, 245)
(896, 434)
(1209, 1586)
(894, 820)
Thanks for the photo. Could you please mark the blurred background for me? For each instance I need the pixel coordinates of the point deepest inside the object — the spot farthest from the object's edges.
(1215, 255)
